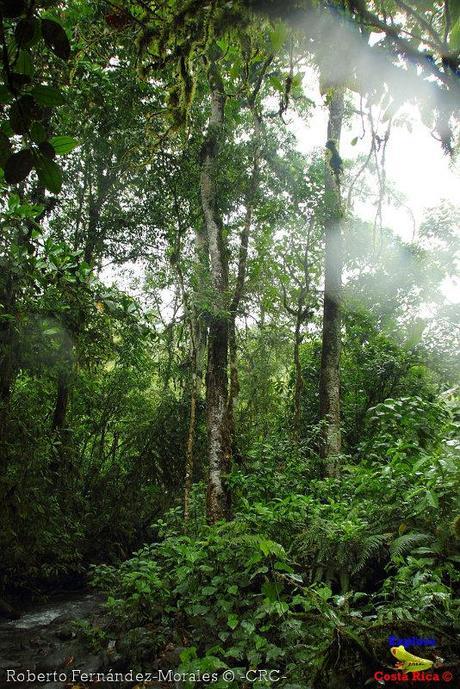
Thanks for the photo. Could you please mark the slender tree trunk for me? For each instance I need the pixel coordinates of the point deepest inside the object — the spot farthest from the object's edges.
(298, 372)
(94, 242)
(62, 401)
(189, 463)
(234, 384)
(92, 250)
(238, 293)
(61, 459)
(197, 355)
(198, 331)
(241, 272)
(196, 346)
(219, 450)
(329, 388)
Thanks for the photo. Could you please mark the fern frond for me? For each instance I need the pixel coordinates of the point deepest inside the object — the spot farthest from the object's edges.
(370, 546)
(405, 543)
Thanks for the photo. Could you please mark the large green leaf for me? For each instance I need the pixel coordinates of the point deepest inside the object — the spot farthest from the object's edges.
(37, 133)
(20, 117)
(454, 37)
(278, 36)
(27, 32)
(63, 144)
(23, 63)
(56, 38)
(454, 10)
(47, 96)
(49, 174)
(18, 166)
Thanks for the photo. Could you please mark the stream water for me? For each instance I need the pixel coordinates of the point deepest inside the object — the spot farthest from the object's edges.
(43, 640)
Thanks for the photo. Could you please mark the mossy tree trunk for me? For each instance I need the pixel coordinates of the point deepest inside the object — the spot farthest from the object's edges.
(329, 392)
(219, 444)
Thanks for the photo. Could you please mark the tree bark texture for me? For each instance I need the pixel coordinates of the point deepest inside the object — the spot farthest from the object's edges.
(329, 392)
(219, 448)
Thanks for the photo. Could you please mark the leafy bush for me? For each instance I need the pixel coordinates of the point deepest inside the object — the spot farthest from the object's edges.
(313, 573)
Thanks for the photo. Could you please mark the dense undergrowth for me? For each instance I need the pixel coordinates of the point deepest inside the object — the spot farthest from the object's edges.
(313, 574)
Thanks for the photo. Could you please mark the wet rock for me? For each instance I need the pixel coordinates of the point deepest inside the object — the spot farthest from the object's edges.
(65, 633)
(170, 658)
(44, 640)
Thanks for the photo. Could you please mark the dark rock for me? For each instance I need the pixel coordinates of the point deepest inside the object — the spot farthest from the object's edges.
(65, 633)
(43, 639)
(8, 612)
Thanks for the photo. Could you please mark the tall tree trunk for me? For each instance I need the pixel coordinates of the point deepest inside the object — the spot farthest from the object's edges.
(198, 331)
(242, 265)
(219, 450)
(92, 251)
(59, 463)
(298, 372)
(301, 313)
(62, 401)
(329, 388)
(237, 294)
(189, 456)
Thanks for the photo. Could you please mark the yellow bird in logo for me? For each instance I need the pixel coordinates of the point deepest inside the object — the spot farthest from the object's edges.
(409, 662)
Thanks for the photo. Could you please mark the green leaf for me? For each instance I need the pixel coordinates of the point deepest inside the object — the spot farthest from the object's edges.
(63, 144)
(269, 547)
(232, 621)
(280, 607)
(27, 32)
(454, 37)
(283, 567)
(23, 64)
(278, 36)
(324, 592)
(5, 95)
(56, 38)
(277, 83)
(47, 150)
(188, 654)
(272, 590)
(215, 52)
(432, 498)
(20, 117)
(37, 133)
(354, 141)
(47, 96)
(49, 174)
(18, 166)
